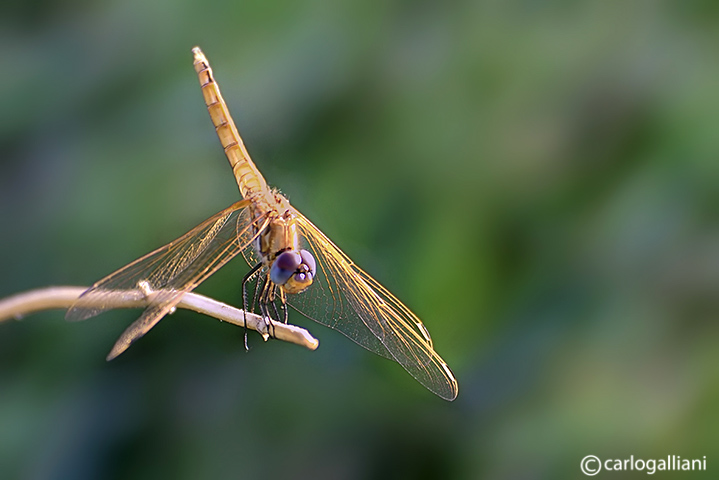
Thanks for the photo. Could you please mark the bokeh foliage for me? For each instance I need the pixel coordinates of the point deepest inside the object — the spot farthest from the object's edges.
(537, 180)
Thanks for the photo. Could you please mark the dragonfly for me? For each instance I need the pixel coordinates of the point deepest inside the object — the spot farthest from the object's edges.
(293, 264)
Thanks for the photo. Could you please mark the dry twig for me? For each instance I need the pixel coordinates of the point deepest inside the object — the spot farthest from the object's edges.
(23, 304)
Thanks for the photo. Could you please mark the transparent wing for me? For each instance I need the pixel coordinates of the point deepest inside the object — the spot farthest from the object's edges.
(347, 299)
(164, 275)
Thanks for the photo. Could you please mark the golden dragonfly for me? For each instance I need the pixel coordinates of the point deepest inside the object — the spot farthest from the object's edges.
(292, 263)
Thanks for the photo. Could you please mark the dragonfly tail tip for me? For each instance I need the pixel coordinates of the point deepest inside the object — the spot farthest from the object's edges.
(197, 53)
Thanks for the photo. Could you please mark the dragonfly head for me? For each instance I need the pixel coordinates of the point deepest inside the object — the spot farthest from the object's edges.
(294, 270)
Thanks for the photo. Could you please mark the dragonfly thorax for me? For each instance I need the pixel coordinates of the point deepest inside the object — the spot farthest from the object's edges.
(279, 231)
(278, 245)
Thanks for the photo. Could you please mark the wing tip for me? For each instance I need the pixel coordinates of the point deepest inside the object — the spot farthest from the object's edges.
(127, 338)
(450, 394)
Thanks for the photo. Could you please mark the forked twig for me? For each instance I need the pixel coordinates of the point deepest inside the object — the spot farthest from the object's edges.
(48, 298)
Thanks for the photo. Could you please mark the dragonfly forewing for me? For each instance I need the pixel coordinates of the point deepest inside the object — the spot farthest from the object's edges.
(347, 299)
(165, 274)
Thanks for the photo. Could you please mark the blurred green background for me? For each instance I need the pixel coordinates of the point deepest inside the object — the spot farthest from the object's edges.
(538, 181)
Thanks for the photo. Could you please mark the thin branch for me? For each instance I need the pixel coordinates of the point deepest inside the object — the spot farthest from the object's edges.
(22, 304)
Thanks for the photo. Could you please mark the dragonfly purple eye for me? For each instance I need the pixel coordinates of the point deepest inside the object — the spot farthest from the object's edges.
(284, 266)
(293, 270)
(309, 260)
(304, 274)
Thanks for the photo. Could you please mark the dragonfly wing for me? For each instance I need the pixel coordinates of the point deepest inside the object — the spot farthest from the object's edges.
(162, 304)
(347, 299)
(163, 276)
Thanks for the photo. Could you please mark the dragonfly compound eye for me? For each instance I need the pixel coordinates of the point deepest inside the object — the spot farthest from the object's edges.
(284, 266)
(304, 275)
(309, 260)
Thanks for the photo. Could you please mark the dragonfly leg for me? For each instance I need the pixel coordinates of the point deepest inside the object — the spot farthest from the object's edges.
(277, 312)
(283, 305)
(256, 295)
(245, 280)
(267, 298)
(267, 318)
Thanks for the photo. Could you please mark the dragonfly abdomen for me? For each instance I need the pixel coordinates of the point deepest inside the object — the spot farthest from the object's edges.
(249, 179)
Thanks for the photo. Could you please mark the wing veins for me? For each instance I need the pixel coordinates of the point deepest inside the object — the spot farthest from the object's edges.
(400, 333)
